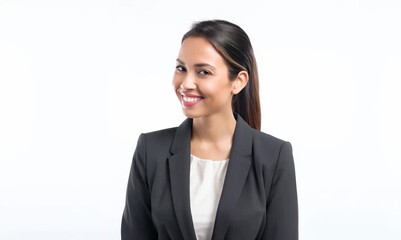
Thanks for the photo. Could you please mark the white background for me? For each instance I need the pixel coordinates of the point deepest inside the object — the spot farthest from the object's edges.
(79, 80)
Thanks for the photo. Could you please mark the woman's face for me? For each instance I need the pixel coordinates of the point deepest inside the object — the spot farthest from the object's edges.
(201, 80)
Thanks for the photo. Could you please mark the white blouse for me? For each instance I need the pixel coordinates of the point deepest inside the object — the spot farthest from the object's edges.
(206, 183)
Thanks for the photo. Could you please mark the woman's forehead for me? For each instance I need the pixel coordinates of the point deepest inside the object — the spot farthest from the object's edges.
(197, 50)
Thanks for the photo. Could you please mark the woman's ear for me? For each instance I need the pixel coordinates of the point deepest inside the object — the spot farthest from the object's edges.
(240, 82)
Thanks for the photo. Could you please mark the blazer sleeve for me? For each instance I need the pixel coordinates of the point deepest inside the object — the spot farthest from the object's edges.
(137, 220)
(282, 203)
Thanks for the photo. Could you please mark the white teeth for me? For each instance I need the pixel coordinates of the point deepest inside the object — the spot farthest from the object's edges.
(191, 99)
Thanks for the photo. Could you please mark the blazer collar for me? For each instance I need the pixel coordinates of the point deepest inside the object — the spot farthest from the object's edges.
(238, 168)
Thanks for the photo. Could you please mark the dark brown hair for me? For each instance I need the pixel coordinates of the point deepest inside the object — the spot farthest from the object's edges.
(233, 44)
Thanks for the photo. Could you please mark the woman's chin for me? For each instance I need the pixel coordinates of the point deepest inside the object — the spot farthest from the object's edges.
(191, 114)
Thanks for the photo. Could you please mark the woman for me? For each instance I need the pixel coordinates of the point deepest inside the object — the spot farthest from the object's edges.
(216, 176)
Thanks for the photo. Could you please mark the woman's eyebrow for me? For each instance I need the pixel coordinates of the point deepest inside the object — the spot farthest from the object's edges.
(196, 64)
(180, 61)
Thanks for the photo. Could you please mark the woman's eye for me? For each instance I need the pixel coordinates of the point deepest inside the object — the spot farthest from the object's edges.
(204, 72)
(180, 68)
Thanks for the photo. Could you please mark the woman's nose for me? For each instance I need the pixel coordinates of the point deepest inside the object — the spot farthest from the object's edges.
(188, 82)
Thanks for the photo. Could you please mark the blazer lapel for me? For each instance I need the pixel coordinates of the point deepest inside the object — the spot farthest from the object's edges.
(237, 171)
(179, 166)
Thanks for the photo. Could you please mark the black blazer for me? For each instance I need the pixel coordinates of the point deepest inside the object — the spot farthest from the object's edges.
(258, 200)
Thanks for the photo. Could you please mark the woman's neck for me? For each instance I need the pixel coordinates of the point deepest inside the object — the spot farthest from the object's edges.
(214, 128)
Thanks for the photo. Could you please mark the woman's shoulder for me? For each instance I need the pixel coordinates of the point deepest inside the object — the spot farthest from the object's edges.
(156, 141)
(258, 136)
(160, 134)
(268, 140)
(268, 149)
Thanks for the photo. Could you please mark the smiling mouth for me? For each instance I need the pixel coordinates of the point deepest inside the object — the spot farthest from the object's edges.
(191, 99)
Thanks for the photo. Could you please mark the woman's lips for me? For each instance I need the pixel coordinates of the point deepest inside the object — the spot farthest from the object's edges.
(189, 101)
